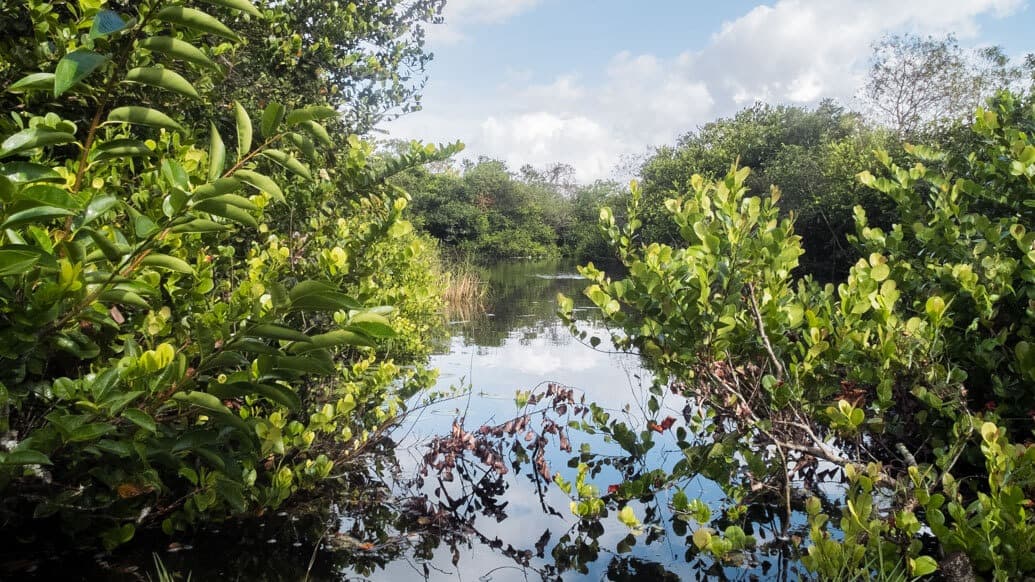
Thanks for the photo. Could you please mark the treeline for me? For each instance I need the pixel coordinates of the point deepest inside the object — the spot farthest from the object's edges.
(484, 209)
(811, 154)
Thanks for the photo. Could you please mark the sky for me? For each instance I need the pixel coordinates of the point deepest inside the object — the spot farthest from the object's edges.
(597, 83)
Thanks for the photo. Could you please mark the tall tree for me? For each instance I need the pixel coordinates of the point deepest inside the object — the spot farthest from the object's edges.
(916, 83)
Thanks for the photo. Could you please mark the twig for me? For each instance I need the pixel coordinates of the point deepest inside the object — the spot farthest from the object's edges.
(761, 330)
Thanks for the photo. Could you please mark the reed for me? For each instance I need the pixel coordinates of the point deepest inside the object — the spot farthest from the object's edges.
(465, 290)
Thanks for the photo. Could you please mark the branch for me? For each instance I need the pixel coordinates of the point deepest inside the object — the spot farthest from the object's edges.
(761, 330)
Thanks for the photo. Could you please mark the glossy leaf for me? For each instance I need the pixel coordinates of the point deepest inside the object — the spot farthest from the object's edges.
(162, 79)
(28, 173)
(32, 138)
(277, 332)
(143, 116)
(313, 113)
(178, 49)
(289, 162)
(25, 457)
(225, 210)
(74, 67)
(261, 182)
(241, 5)
(13, 262)
(120, 148)
(33, 82)
(167, 262)
(106, 22)
(272, 117)
(216, 154)
(37, 214)
(141, 419)
(196, 20)
(244, 130)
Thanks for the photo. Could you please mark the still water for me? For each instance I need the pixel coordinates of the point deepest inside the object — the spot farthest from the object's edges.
(397, 524)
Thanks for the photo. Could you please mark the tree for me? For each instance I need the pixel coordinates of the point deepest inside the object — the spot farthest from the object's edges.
(911, 379)
(917, 82)
(191, 327)
(811, 155)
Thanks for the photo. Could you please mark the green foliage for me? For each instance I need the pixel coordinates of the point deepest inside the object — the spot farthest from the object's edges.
(894, 363)
(192, 328)
(811, 155)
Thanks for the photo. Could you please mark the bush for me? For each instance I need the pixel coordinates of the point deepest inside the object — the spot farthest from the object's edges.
(194, 325)
(911, 379)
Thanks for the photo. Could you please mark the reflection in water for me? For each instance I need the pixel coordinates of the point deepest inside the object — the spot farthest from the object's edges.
(471, 522)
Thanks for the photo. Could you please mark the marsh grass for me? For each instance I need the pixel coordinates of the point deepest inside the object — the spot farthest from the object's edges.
(465, 290)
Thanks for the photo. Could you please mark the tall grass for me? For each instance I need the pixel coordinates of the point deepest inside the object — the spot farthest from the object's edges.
(465, 290)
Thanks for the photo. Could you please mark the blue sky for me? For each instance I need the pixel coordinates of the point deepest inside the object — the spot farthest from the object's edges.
(597, 83)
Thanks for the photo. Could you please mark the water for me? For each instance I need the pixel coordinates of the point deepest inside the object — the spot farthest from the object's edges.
(396, 525)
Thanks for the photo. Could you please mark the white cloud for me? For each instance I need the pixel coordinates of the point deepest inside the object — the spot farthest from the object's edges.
(792, 51)
(462, 14)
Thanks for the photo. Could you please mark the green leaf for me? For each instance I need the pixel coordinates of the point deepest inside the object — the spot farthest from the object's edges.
(271, 119)
(702, 538)
(143, 116)
(317, 131)
(33, 82)
(923, 566)
(989, 432)
(199, 225)
(278, 332)
(16, 262)
(241, 5)
(317, 296)
(50, 196)
(216, 188)
(231, 199)
(226, 210)
(934, 307)
(627, 517)
(35, 214)
(120, 148)
(373, 325)
(167, 262)
(28, 173)
(279, 394)
(90, 432)
(261, 182)
(111, 252)
(196, 20)
(25, 457)
(244, 130)
(74, 67)
(313, 113)
(141, 419)
(289, 162)
(340, 337)
(304, 144)
(32, 138)
(216, 154)
(178, 49)
(97, 207)
(106, 22)
(124, 297)
(162, 79)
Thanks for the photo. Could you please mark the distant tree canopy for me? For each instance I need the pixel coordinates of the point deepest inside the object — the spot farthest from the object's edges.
(811, 155)
(489, 211)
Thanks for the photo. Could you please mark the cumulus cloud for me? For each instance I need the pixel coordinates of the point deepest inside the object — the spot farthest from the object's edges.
(462, 14)
(791, 51)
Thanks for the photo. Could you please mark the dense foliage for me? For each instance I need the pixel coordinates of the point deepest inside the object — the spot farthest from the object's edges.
(193, 325)
(811, 155)
(489, 212)
(911, 379)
